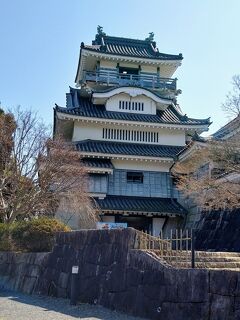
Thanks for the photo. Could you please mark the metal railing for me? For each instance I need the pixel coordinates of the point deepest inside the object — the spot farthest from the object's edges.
(177, 249)
(114, 78)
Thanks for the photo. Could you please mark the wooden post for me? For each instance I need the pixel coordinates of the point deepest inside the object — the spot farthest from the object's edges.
(73, 294)
(193, 248)
(176, 246)
(171, 241)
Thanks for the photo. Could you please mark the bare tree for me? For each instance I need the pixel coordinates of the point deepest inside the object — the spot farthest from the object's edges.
(232, 104)
(38, 174)
(212, 175)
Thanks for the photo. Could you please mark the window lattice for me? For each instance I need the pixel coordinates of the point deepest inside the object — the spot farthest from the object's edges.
(130, 135)
(131, 105)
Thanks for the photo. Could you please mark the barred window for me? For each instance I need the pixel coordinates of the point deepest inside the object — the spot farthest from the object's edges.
(131, 105)
(130, 135)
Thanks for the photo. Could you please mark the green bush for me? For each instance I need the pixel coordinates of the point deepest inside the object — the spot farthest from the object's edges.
(29, 236)
(36, 235)
(5, 237)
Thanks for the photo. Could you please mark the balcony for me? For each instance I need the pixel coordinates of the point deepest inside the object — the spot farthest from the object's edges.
(120, 79)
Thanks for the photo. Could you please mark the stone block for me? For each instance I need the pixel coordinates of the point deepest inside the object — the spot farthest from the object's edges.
(134, 277)
(89, 270)
(222, 307)
(61, 292)
(223, 282)
(192, 285)
(153, 277)
(63, 280)
(183, 311)
(28, 285)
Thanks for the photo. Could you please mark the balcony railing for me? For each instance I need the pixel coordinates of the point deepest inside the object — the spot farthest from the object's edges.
(121, 79)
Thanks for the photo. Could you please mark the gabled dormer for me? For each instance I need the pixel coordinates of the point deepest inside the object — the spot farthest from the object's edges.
(114, 61)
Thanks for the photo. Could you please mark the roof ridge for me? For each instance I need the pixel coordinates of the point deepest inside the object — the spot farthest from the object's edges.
(139, 197)
(228, 124)
(184, 117)
(127, 39)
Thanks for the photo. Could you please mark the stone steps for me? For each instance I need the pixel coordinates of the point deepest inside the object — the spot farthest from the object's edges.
(204, 253)
(209, 265)
(203, 259)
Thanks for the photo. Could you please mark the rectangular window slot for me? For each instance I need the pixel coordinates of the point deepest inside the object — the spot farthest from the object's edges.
(130, 105)
(134, 177)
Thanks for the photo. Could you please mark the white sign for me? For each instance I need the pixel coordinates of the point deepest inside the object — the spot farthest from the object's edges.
(110, 225)
(75, 269)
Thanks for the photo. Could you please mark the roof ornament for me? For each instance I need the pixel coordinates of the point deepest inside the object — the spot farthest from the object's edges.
(100, 34)
(150, 38)
(185, 117)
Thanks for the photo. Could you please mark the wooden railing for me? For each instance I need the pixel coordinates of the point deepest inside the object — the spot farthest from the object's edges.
(176, 249)
(148, 81)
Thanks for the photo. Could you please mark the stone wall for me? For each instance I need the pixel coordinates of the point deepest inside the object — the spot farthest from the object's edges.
(21, 271)
(114, 273)
(219, 231)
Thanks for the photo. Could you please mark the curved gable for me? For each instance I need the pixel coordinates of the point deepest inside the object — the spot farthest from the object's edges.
(133, 92)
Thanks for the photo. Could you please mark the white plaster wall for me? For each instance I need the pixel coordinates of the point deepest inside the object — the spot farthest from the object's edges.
(139, 165)
(171, 137)
(93, 131)
(165, 71)
(110, 219)
(108, 64)
(157, 224)
(113, 103)
(83, 131)
(129, 65)
(149, 69)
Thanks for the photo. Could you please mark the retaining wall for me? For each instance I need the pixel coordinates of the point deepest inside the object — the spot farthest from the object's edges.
(218, 231)
(115, 274)
(21, 271)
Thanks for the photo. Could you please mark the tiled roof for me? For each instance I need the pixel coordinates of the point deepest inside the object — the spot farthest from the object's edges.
(229, 128)
(83, 107)
(140, 204)
(97, 163)
(123, 148)
(129, 47)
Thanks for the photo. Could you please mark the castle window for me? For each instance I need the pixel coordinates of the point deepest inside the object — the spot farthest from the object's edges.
(134, 177)
(130, 135)
(130, 105)
(125, 73)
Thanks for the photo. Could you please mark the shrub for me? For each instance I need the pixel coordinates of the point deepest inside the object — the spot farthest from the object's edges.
(5, 237)
(36, 235)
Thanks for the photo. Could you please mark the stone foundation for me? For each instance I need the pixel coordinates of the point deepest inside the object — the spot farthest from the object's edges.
(115, 274)
(21, 271)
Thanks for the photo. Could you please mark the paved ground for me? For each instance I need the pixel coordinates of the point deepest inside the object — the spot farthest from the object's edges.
(16, 306)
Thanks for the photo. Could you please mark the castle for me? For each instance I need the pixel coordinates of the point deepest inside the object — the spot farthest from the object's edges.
(124, 118)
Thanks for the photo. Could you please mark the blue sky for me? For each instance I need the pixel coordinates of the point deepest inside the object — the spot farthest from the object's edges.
(40, 40)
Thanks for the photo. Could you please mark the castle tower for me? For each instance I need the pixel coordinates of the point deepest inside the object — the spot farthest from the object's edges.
(124, 119)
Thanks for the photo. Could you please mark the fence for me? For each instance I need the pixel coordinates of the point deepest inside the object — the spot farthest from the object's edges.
(177, 249)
